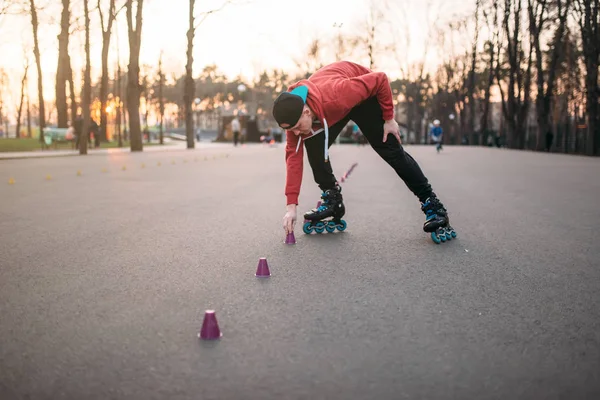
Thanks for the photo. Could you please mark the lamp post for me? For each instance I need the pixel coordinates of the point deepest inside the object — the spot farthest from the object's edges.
(451, 116)
(197, 109)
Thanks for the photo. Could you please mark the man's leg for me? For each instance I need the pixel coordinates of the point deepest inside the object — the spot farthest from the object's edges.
(315, 150)
(369, 117)
(333, 203)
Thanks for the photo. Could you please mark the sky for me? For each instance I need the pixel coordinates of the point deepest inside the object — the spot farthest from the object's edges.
(243, 38)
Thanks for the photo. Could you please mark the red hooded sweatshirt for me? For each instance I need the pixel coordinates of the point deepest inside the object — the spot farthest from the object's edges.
(333, 91)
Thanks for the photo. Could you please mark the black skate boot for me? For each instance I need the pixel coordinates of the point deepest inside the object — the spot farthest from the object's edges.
(328, 216)
(437, 220)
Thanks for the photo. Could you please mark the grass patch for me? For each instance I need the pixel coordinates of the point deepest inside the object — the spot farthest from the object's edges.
(26, 144)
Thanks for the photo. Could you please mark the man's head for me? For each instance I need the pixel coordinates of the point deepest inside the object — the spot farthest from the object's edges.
(436, 122)
(291, 112)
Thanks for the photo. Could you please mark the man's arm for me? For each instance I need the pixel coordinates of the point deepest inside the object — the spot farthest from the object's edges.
(294, 159)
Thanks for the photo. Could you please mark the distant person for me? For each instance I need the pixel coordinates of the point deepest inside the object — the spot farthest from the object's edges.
(549, 138)
(437, 134)
(315, 110)
(95, 133)
(236, 128)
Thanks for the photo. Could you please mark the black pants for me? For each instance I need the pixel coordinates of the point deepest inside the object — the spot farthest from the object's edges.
(236, 136)
(369, 118)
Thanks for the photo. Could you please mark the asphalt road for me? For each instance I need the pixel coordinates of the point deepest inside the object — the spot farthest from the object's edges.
(105, 277)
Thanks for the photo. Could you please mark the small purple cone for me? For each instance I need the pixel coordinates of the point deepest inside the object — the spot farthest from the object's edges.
(262, 271)
(210, 327)
(318, 204)
(343, 179)
(290, 238)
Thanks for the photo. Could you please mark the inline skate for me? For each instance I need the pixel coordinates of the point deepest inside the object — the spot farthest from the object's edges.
(437, 221)
(328, 216)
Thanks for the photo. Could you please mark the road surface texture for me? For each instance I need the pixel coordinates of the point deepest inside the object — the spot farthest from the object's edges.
(109, 261)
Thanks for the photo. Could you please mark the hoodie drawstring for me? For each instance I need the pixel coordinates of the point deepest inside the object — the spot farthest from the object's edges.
(326, 139)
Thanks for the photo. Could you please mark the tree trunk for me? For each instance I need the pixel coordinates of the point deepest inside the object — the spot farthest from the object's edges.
(38, 63)
(72, 94)
(87, 86)
(118, 97)
(20, 110)
(471, 89)
(189, 89)
(133, 75)
(590, 35)
(488, 88)
(593, 123)
(161, 100)
(106, 34)
(545, 87)
(28, 118)
(62, 68)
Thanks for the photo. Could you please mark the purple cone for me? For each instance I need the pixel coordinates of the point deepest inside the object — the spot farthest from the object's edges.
(290, 238)
(262, 271)
(210, 327)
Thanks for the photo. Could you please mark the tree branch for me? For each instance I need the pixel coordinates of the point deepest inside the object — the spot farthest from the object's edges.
(206, 14)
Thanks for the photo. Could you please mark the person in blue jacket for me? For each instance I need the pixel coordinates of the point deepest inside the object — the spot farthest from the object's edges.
(437, 134)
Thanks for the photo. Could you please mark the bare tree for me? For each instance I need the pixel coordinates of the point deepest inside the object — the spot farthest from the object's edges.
(472, 74)
(588, 13)
(87, 85)
(106, 35)
(515, 102)
(311, 60)
(38, 62)
(341, 43)
(414, 83)
(161, 99)
(133, 74)
(3, 90)
(189, 86)
(28, 117)
(63, 66)
(491, 44)
(22, 98)
(370, 38)
(538, 15)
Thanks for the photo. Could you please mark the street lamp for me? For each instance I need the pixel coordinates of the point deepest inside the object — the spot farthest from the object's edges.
(242, 89)
(451, 116)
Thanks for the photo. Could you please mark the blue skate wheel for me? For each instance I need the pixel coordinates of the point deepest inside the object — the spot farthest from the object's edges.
(307, 228)
(436, 239)
(342, 226)
(330, 227)
(452, 233)
(447, 234)
(320, 227)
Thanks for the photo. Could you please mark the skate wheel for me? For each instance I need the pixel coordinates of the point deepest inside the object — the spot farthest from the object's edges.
(320, 227)
(451, 232)
(342, 226)
(447, 234)
(307, 228)
(441, 232)
(436, 239)
(330, 227)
